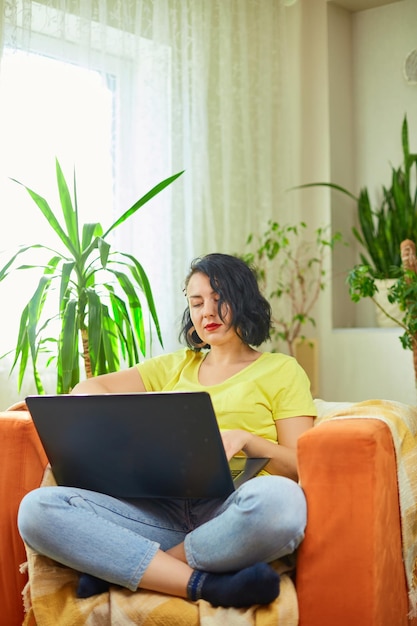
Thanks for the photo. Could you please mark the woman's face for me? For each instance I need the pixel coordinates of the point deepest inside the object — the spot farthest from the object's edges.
(203, 304)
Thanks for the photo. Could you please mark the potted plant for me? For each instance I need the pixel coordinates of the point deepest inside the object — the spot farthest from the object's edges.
(98, 309)
(402, 292)
(291, 269)
(380, 231)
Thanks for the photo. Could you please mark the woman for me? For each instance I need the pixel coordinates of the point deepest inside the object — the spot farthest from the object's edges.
(208, 548)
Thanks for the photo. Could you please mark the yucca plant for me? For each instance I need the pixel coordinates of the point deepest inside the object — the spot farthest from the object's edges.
(99, 293)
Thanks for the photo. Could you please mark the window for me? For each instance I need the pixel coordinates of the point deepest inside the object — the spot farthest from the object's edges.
(50, 108)
(72, 121)
(109, 121)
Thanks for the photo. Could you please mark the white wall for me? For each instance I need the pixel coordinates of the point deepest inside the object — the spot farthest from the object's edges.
(354, 99)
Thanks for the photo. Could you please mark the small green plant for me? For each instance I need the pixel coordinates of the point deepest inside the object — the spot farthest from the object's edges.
(98, 308)
(362, 284)
(402, 292)
(291, 270)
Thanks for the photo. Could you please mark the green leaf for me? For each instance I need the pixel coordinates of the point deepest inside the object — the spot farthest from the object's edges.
(89, 232)
(50, 216)
(110, 345)
(141, 278)
(27, 336)
(148, 196)
(24, 356)
(135, 308)
(68, 367)
(331, 185)
(67, 269)
(95, 328)
(35, 306)
(68, 211)
(104, 250)
(4, 270)
(405, 144)
(127, 339)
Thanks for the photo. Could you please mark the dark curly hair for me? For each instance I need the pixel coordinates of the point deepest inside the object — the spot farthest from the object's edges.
(236, 284)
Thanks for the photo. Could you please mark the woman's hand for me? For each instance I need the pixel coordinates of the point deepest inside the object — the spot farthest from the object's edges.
(234, 441)
(283, 454)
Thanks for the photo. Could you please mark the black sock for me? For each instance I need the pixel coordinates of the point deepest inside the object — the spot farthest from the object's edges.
(257, 584)
(89, 585)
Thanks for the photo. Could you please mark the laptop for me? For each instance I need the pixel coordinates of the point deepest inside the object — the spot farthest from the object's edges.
(139, 445)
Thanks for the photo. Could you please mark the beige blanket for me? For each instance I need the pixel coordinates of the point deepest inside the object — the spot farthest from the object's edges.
(50, 600)
(402, 421)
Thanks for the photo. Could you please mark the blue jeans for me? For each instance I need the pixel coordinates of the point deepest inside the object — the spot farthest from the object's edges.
(116, 539)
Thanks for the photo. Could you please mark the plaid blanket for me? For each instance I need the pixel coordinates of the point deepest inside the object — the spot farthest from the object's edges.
(402, 421)
(50, 599)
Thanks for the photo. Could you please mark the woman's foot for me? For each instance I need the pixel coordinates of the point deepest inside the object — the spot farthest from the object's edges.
(91, 586)
(257, 584)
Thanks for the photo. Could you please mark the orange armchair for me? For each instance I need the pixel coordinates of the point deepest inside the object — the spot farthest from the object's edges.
(349, 569)
(22, 464)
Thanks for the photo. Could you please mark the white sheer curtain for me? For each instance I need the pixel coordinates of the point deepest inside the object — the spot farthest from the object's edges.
(196, 85)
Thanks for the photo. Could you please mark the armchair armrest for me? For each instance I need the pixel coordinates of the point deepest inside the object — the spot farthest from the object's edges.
(22, 464)
(350, 568)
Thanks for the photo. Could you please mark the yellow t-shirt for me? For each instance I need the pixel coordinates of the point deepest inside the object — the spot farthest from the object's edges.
(273, 387)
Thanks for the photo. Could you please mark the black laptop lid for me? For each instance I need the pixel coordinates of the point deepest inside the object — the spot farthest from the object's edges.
(164, 444)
